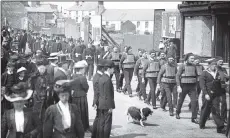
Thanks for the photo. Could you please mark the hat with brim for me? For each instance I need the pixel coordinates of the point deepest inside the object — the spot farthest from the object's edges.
(62, 86)
(20, 92)
(211, 61)
(100, 62)
(53, 56)
(80, 64)
(21, 69)
(152, 51)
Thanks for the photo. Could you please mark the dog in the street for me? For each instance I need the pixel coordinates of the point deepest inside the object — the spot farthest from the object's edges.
(138, 114)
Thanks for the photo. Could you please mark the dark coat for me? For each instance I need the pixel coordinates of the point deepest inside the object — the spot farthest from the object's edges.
(89, 52)
(79, 85)
(96, 89)
(208, 83)
(106, 95)
(79, 50)
(23, 40)
(32, 124)
(53, 120)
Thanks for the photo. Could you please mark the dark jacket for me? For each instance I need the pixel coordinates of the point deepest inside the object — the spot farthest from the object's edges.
(88, 55)
(209, 83)
(79, 85)
(23, 40)
(106, 95)
(96, 89)
(77, 53)
(53, 120)
(32, 124)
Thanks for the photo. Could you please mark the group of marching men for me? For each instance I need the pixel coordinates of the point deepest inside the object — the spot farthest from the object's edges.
(47, 96)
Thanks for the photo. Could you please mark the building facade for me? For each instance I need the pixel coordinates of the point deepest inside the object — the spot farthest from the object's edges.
(142, 19)
(205, 28)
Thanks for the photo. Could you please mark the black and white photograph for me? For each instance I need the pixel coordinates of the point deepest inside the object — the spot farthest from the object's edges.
(115, 69)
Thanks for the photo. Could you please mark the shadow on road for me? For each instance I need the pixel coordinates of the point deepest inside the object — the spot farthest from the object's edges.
(147, 124)
(129, 135)
(116, 126)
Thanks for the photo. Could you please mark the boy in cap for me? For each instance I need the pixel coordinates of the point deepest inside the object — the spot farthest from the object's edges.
(21, 75)
(150, 71)
(186, 79)
(138, 70)
(106, 102)
(167, 79)
(210, 83)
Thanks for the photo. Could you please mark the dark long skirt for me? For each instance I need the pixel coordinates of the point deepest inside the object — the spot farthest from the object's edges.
(82, 104)
(104, 124)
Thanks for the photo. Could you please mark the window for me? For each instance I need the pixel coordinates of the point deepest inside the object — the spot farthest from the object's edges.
(146, 24)
(107, 23)
(138, 24)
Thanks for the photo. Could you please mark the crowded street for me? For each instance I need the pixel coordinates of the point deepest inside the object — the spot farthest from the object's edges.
(99, 70)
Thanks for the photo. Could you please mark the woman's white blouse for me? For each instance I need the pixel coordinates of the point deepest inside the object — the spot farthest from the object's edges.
(19, 121)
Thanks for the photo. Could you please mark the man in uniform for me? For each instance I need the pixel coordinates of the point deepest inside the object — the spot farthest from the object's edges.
(77, 52)
(150, 71)
(163, 60)
(88, 55)
(139, 55)
(210, 83)
(127, 63)
(224, 78)
(106, 101)
(115, 56)
(167, 78)
(199, 69)
(138, 70)
(186, 79)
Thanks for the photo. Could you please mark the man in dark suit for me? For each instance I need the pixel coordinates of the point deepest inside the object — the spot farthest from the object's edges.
(22, 43)
(88, 55)
(96, 90)
(106, 101)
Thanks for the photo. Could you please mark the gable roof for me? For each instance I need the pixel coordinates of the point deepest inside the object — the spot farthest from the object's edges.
(41, 8)
(128, 14)
(85, 6)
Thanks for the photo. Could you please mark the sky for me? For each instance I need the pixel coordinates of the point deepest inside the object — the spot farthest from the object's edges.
(127, 5)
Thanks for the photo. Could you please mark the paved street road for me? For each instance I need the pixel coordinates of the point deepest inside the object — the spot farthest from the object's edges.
(159, 125)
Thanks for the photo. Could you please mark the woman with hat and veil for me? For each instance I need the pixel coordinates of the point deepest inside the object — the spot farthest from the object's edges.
(79, 87)
(63, 120)
(20, 122)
